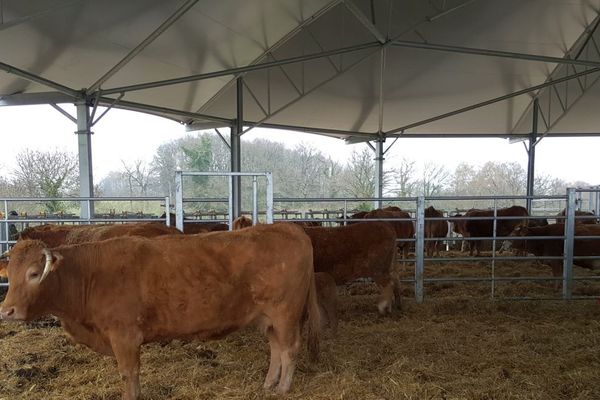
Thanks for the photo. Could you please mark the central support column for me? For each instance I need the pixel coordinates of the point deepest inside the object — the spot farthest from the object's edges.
(531, 155)
(379, 172)
(86, 176)
(236, 133)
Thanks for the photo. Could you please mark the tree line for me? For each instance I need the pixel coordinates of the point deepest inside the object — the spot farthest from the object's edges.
(300, 172)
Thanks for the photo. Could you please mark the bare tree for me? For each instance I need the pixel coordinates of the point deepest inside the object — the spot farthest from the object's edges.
(46, 174)
(404, 176)
(361, 174)
(434, 179)
(139, 175)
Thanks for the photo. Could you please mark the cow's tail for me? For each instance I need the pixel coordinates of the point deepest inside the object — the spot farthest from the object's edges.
(314, 320)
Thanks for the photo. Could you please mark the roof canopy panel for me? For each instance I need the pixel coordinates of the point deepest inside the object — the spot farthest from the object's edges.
(345, 68)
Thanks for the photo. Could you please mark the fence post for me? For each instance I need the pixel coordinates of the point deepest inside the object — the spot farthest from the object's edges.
(569, 242)
(419, 249)
(168, 211)
(269, 210)
(178, 200)
(254, 200)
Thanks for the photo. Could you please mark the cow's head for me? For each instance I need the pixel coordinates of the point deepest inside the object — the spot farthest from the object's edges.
(30, 275)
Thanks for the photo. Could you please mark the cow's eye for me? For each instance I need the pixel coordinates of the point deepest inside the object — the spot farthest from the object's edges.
(33, 275)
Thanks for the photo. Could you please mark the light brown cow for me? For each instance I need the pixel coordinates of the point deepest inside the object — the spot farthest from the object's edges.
(327, 299)
(241, 222)
(56, 235)
(404, 229)
(3, 269)
(118, 294)
(361, 250)
(434, 229)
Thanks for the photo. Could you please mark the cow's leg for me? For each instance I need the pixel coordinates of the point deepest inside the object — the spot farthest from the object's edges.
(289, 340)
(386, 299)
(275, 364)
(331, 312)
(397, 293)
(127, 352)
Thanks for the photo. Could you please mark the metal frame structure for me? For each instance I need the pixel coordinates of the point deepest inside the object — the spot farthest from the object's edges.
(180, 198)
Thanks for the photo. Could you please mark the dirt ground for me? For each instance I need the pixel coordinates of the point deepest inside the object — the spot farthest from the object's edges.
(459, 344)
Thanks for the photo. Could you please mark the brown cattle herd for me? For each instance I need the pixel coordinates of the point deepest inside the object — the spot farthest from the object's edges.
(117, 287)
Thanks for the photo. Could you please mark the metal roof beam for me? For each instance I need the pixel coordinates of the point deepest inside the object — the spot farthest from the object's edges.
(523, 136)
(145, 43)
(9, 69)
(494, 100)
(158, 110)
(567, 95)
(494, 53)
(239, 70)
(28, 99)
(364, 20)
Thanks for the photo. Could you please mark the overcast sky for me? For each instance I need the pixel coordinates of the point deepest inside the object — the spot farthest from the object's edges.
(123, 135)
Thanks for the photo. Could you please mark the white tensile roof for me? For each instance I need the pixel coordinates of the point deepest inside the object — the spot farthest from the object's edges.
(369, 67)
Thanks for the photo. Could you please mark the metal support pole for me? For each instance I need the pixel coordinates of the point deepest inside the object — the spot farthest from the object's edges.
(235, 149)
(569, 244)
(230, 216)
(531, 155)
(84, 139)
(378, 172)
(495, 227)
(254, 200)
(269, 197)
(419, 250)
(178, 201)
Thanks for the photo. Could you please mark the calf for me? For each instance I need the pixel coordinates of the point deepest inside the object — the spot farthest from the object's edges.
(115, 295)
(359, 250)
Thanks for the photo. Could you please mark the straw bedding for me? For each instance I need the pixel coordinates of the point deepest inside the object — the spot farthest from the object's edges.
(457, 345)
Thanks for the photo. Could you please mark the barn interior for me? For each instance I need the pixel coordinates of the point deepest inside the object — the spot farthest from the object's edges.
(362, 71)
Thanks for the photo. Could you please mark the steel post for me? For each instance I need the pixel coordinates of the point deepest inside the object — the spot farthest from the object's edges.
(419, 250)
(569, 244)
(84, 139)
(235, 149)
(531, 155)
(178, 201)
(378, 173)
(230, 216)
(269, 212)
(254, 200)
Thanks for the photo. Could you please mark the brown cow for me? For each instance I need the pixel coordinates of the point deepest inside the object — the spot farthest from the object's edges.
(115, 295)
(241, 222)
(404, 229)
(434, 229)
(555, 247)
(459, 226)
(588, 217)
(485, 227)
(359, 250)
(327, 299)
(193, 226)
(3, 269)
(56, 235)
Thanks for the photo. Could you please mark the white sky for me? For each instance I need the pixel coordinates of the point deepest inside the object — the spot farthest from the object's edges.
(129, 136)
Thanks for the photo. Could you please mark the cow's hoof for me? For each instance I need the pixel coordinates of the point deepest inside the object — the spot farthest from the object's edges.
(384, 307)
